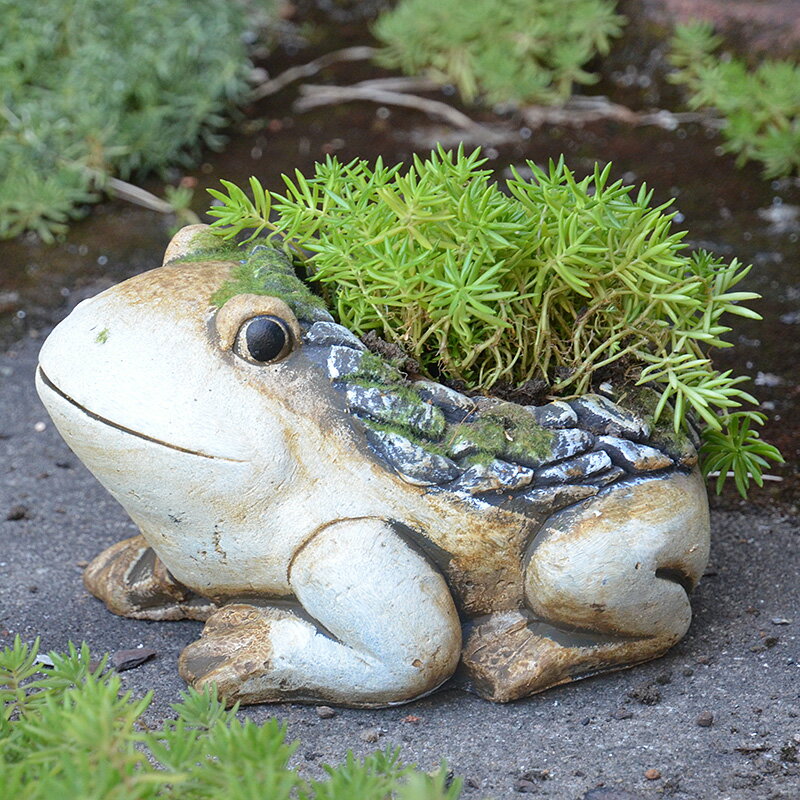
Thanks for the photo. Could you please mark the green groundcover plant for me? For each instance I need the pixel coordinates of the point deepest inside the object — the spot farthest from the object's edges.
(760, 107)
(70, 731)
(520, 51)
(97, 88)
(555, 280)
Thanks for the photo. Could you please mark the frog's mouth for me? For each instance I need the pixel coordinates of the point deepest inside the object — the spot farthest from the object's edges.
(97, 418)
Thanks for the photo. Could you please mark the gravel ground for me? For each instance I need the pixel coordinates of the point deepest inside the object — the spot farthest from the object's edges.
(718, 717)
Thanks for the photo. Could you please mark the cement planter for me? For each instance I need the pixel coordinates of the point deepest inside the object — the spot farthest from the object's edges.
(351, 537)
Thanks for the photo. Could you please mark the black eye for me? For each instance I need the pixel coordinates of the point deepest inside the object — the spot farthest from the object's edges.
(264, 339)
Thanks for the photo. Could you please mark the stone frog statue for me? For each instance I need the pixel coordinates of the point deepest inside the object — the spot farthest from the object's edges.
(350, 536)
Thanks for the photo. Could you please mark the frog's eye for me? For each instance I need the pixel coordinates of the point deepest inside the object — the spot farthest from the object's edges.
(264, 339)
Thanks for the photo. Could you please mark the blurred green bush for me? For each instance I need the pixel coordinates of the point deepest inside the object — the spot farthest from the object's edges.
(518, 51)
(95, 88)
(760, 107)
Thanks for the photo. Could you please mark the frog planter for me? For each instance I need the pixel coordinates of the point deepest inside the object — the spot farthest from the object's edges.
(349, 536)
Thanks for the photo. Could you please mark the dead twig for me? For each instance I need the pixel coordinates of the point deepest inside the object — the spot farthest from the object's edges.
(313, 96)
(137, 195)
(582, 110)
(292, 74)
(400, 84)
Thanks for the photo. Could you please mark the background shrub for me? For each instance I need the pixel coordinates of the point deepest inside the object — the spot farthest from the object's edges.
(760, 107)
(93, 88)
(520, 51)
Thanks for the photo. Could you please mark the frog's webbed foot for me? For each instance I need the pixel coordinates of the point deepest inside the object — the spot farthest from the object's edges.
(606, 587)
(510, 655)
(383, 627)
(133, 582)
(235, 649)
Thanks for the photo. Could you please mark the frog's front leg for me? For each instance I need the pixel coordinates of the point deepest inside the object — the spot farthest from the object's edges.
(383, 627)
(133, 582)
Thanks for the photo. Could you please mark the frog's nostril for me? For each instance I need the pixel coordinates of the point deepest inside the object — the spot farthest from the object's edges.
(676, 575)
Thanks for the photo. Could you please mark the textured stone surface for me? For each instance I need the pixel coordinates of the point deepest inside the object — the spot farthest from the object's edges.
(545, 500)
(575, 469)
(633, 456)
(411, 461)
(462, 448)
(497, 475)
(570, 442)
(342, 361)
(557, 414)
(331, 333)
(453, 403)
(387, 406)
(601, 416)
(608, 477)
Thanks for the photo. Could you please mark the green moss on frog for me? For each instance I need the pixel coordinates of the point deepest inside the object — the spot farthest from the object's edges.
(504, 431)
(267, 270)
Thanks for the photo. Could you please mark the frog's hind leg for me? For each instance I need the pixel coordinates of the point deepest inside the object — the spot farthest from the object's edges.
(133, 582)
(384, 630)
(606, 587)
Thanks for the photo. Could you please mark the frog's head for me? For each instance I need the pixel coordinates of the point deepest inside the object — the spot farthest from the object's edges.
(178, 379)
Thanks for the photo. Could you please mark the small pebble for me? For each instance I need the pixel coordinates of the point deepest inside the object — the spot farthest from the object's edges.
(687, 672)
(129, 659)
(622, 713)
(414, 720)
(705, 719)
(325, 712)
(647, 694)
(39, 427)
(370, 735)
(780, 621)
(18, 512)
(789, 754)
(652, 774)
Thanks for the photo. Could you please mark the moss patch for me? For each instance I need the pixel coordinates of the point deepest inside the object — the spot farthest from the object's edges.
(267, 270)
(376, 371)
(412, 436)
(505, 431)
(642, 400)
(205, 254)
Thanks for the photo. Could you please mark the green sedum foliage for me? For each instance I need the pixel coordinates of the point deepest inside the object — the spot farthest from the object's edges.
(760, 107)
(95, 88)
(566, 281)
(520, 51)
(70, 732)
